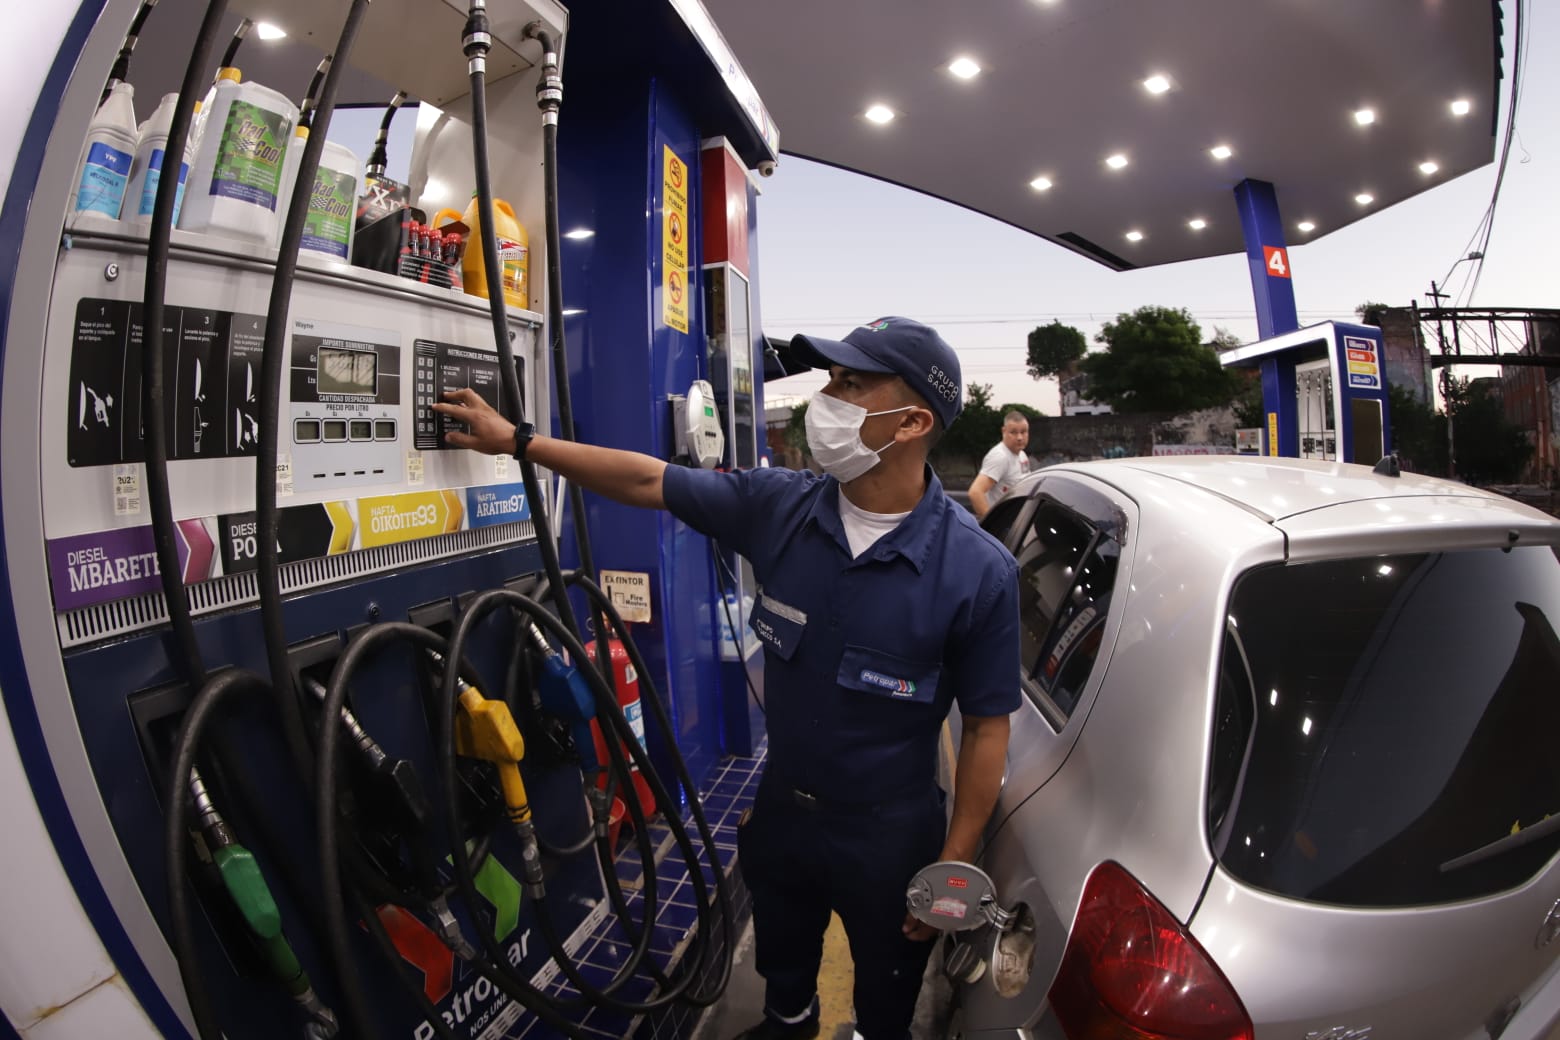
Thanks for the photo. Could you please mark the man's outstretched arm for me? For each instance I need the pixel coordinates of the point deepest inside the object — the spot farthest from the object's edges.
(628, 477)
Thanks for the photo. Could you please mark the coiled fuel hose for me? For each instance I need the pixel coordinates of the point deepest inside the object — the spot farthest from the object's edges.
(327, 816)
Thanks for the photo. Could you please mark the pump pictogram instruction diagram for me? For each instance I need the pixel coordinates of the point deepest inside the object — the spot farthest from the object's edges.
(211, 359)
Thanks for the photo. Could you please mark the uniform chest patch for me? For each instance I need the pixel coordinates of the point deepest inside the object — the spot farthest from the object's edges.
(897, 687)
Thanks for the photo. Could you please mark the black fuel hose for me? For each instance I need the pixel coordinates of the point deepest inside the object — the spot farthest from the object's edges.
(121, 70)
(610, 714)
(657, 712)
(549, 98)
(327, 787)
(306, 110)
(478, 608)
(231, 54)
(476, 40)
(272, 363)
(549, 93)
(153, 388)
(211, 698)
(379, 158)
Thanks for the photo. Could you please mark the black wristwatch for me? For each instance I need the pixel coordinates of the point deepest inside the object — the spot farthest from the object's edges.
(524, 433)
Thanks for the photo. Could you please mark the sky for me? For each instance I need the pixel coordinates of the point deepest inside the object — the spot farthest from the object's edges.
(837, 249)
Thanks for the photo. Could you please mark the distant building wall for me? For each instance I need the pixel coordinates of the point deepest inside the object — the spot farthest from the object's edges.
(1406, 359)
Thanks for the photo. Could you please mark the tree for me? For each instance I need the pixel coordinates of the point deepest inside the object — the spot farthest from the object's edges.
(1155, 361)
(1418, 433)
(1489, 448)
(1224, 340)
(1371, 312)
(1029, 412)
(1053, 348)
(1248, 405)
(796, 430)
(978, 427)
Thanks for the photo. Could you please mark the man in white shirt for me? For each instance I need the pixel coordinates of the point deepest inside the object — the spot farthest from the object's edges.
(1003, 466)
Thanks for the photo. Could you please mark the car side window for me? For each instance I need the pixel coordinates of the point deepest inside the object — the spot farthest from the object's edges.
(1067, 573)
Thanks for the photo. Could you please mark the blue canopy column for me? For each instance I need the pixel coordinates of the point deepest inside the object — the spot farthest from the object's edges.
(1267, 256)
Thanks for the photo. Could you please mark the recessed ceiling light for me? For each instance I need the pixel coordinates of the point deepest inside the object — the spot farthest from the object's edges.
(1134, 236)
(1461, 107)
(1197, 223)
(1221, 151)
(1116, 161)
(267, 31)
(880, 114)
(1365, 116)
(1041, 184)
(579, 233)
(1364, 198)
(1156, 84)
(1306, 226)
(1428, 167)
(964, 68)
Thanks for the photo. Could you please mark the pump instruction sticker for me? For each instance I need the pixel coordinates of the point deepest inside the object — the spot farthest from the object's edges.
(675, 231)
(211, 367)
(127, 490)
(388, 519)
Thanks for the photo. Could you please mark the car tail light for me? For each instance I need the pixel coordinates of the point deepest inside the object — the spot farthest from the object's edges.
(1131, 972)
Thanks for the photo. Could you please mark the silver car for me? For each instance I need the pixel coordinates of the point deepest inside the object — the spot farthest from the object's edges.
(1288, 767)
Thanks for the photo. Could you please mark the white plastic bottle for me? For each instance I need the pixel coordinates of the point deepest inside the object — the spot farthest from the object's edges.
(236, 178)
(104, 169)
(227, 74)
(332, 219)
(290, 163)
(146, 170)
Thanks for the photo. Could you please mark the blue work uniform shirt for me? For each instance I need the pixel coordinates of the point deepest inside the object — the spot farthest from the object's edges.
(864, 657)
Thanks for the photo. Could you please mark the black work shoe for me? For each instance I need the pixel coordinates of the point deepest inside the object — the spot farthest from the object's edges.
(773, 1029)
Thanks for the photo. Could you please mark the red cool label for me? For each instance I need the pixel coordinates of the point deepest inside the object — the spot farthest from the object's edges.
(958, 882)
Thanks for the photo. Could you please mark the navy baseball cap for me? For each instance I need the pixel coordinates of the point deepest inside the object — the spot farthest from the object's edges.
(905, 348)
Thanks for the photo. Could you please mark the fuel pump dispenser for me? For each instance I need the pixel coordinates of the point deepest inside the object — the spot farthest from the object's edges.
(250, 602)
(1324, 389)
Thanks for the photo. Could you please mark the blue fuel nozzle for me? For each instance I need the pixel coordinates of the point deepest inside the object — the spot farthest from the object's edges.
(564, 693)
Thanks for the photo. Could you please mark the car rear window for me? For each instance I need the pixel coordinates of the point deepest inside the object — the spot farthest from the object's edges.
(1399, 716)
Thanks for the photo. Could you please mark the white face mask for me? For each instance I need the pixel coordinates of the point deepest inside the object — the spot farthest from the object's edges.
(834, 436)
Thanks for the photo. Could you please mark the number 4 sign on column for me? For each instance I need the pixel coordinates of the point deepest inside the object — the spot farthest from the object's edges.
(1277, 259)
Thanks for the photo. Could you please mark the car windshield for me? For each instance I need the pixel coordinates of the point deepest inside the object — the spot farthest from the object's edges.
(1398, 714)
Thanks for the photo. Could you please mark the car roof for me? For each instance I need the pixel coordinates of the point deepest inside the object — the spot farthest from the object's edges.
(1276, 488)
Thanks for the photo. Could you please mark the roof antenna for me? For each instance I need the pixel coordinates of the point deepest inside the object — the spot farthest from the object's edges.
(1388, 466)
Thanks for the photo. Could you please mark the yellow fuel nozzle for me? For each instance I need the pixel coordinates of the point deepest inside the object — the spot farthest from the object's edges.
(485, 729)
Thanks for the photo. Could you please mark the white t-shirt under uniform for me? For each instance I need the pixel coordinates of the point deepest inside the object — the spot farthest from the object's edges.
(1004, 468)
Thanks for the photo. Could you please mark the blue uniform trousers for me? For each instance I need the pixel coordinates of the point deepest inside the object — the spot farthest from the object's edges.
(802, 858)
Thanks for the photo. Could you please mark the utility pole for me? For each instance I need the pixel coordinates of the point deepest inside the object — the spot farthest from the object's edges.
(1436, 295)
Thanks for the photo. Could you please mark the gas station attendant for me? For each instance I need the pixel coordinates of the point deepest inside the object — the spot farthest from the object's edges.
(881, 605)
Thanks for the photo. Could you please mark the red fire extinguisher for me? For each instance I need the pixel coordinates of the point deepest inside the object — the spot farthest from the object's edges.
(625, 681)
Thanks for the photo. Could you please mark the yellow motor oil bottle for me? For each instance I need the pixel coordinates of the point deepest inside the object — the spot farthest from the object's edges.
(513, 250)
